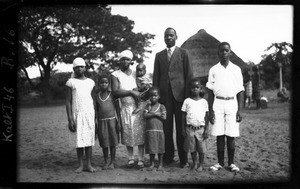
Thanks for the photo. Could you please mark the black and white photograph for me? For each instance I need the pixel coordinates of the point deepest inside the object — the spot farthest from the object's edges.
(154, 94)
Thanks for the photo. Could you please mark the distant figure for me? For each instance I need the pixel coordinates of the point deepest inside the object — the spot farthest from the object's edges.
(195, 125)
(256, 86)
(155, 114)
(282, 95)
(263, 102)
(144, 82)
(248, 93)
(172, 74)
(107, 125)
(225, 99)
(81, 113)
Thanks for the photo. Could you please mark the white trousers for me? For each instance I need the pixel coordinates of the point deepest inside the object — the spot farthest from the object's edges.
(225, 118)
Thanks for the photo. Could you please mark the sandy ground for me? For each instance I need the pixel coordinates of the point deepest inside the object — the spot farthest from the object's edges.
(262, 152)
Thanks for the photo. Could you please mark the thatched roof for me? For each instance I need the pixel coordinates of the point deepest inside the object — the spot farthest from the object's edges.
(202, 48)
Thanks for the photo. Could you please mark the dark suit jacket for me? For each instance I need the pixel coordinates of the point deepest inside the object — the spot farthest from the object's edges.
(178, 73)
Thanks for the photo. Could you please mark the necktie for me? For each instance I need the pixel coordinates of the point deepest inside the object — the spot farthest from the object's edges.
(169, 54)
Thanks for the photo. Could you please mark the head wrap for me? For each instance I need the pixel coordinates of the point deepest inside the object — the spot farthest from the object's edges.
(78, 62)
(126, 54)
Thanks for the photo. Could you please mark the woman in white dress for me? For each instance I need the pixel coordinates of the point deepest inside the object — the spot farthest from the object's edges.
(133, 125)
(81, 113)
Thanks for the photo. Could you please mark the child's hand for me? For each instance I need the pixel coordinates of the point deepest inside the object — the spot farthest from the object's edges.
(72, 126)
(158, 114)
(147, 86)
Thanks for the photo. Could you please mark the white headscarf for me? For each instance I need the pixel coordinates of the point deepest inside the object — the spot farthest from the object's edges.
(127, 54)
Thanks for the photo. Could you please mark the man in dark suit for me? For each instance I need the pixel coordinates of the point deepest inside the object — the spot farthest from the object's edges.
(172, 73)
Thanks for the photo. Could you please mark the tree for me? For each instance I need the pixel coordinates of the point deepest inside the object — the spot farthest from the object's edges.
(52, 34)
(281, 56)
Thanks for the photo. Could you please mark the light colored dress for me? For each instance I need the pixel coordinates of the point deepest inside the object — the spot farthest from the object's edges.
(83, 112)
(133, 125)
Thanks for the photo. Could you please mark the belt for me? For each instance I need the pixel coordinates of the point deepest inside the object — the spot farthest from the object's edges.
(195, 127)
(224, 98)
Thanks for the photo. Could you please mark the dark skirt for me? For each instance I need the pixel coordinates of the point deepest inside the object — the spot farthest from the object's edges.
(107, 132)
(155, 138)
(256, 94)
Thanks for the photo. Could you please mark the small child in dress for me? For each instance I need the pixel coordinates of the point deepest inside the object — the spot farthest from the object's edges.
(155, 114)
(81, 113)
(195, 126)
(144, 82)
(107, 125)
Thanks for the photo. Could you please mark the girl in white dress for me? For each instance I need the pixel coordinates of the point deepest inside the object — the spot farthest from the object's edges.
(81, 113)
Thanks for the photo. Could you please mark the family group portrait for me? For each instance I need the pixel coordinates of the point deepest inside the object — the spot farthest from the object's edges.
(134, 94)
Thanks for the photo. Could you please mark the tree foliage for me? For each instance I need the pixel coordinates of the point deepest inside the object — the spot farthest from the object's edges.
(282, 53)
(280, 58)
(52, 34)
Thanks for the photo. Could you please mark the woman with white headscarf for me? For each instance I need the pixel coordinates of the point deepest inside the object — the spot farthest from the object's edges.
(133, 125)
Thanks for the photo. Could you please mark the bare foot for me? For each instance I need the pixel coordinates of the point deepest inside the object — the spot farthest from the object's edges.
(91, 169)
(136, 110)
(105, 167)
(79, 169)
(160, 168)
(200, 168)
(111, 166)
(194, 167)
(150, 168)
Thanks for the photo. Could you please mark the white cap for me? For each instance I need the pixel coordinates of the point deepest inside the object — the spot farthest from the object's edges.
(127, 54)
(78, 62)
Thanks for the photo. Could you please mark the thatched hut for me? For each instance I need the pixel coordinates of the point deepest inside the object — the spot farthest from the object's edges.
(202, 48)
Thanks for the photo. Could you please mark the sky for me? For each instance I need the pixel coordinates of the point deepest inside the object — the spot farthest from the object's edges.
(249, 29)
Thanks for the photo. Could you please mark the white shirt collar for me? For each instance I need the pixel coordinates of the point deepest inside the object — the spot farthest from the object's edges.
(229, 64)
(172, 48)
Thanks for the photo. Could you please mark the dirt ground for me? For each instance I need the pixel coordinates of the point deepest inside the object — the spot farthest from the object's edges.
(263, 152)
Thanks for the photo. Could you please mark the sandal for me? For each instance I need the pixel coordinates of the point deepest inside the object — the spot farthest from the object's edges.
(141, 164)
(130, 163)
